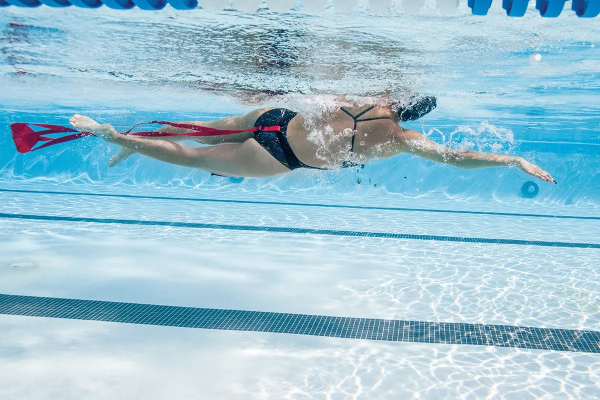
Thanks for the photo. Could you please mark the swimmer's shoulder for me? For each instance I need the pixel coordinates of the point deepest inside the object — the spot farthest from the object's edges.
(404, 135)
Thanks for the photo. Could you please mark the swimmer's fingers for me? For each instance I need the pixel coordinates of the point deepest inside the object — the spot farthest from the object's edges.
(536, 171)
(543, 175)
(548, 178)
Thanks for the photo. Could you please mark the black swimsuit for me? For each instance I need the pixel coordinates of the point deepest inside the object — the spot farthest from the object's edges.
(276, 143)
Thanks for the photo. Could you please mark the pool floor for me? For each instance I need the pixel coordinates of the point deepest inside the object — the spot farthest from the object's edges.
(302, 272)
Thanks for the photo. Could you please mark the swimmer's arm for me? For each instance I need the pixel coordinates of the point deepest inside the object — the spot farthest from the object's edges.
(415, 143)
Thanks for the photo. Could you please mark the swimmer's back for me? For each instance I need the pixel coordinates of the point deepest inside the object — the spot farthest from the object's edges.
(325, 141)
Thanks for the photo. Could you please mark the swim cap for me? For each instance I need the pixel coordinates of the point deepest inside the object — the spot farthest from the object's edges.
(417, 107)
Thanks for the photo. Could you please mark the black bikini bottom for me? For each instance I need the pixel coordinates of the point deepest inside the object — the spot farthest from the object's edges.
(276, 143)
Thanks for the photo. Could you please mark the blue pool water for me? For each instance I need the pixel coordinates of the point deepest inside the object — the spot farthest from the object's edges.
(403, 279)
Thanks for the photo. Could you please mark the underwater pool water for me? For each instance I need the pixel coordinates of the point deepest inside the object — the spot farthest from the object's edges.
(401, 240)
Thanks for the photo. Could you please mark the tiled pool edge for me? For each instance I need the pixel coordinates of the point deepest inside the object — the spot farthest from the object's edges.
(303, 324)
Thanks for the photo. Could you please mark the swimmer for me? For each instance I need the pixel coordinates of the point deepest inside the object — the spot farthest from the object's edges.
(357, 133)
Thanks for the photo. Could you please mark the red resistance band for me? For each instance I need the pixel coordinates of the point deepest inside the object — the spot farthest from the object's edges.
(26, 138)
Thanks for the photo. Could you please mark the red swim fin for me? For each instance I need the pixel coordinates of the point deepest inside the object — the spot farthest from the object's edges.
(26, 137)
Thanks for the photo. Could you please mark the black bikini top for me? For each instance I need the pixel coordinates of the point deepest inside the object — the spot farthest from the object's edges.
(356, 119)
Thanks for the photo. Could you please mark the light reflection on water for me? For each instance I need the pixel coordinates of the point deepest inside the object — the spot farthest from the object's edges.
(487, 59)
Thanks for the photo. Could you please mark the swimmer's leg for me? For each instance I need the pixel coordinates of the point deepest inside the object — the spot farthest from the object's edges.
(236, 122)
(247, 159)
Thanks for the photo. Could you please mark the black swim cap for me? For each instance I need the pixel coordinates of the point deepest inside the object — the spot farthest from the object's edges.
(417, 108)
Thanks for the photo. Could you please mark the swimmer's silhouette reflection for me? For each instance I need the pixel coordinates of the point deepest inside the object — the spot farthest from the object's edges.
(20, 43)
(274, 51)
(11, 37)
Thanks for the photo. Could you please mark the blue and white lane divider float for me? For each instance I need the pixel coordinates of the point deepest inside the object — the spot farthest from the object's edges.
(547, 8)
(116, 4)
(513, 8)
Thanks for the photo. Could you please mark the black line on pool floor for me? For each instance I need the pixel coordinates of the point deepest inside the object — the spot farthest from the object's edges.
(282, 229)
(302, 324)
(129, 196)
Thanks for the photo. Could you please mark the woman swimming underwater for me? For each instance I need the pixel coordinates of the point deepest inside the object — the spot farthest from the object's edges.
(284, 140)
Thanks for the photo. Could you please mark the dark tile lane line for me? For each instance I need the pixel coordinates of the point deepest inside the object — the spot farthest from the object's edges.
(127, 196)
(313, 231)
(302, 324)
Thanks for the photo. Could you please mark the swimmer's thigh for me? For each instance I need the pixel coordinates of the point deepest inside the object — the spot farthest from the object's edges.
(247, 159)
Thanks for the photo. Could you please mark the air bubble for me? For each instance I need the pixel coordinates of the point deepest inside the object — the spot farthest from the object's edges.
(348, 132)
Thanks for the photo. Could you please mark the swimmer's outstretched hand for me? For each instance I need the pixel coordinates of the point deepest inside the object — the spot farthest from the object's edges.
(534, 170)
(86, 124)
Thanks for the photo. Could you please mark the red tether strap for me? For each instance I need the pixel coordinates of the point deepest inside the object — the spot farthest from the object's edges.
(26, 138)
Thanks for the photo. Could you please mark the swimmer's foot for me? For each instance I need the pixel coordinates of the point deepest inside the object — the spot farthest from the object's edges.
(86, 124)
(121, 155)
